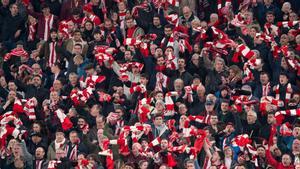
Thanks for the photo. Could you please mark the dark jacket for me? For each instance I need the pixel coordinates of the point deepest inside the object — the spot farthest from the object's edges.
(44, 164)
(199, 70)
(159, 31)
(213, 81)
(67, 7)
(185, 76)
(82, 148)
(11, 24)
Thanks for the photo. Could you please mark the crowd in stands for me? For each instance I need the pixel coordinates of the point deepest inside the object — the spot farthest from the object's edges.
(150, 84)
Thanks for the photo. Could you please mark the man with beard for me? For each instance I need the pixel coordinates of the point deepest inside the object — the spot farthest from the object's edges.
(35, 89)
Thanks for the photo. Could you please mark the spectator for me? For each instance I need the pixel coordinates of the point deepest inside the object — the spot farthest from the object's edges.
(13, 27)
(46, 21)
(147, 84)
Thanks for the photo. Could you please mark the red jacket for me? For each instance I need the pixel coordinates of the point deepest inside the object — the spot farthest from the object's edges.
(276, 164)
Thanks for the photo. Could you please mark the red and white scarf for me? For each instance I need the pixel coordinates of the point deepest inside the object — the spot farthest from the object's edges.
(271, 27)
(269, 100)
(242, 50)
(227, 3)
(32, 31)
(74, 151)
(16, 52)
(29, 108)
(25, 106)
(239, 20)
(38, 164)
(281, 114)
(266, 38)
(53, 164)
(161, 81)
(48, 25)
(248, 67)
(119, 126)
(122, 15)
(52, 55)
(288, 94)
(188, 94)
(293, 63)
(59, 145)
(266, 89)
(288, 24)
(92, 18)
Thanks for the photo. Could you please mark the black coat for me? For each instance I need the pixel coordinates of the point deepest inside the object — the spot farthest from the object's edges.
(200, 70)
(10, 26)
(44, 164)
(32, 146)
(185, 76)
(213, 81)
(197, 106)
(82, 148)
(159, 31)
(61, 76)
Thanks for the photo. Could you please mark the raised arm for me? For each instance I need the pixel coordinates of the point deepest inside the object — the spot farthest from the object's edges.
(270, 159)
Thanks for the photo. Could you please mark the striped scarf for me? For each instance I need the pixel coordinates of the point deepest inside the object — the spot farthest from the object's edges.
(32, 32)
(288, 94)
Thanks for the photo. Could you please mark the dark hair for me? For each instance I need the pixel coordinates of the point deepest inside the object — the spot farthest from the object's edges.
(160, 57)
(264, 73)
(260, 146)
(89, 21)
(169, 26)
(45, 5)
(128, 50)
(78, 44)
(94, 157)
(53, 30)
(156, 16)
(57, 64)
(158, 47)
(225, 101)
(284, 73)
(73, 131)
(144, 75)
(171, 47)
(129, 18)
(77, 31)
(270, 13)
(89, 66)
(188, 160)
(82, 117)
(158, 115)
(76, 11)
(36, 76)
